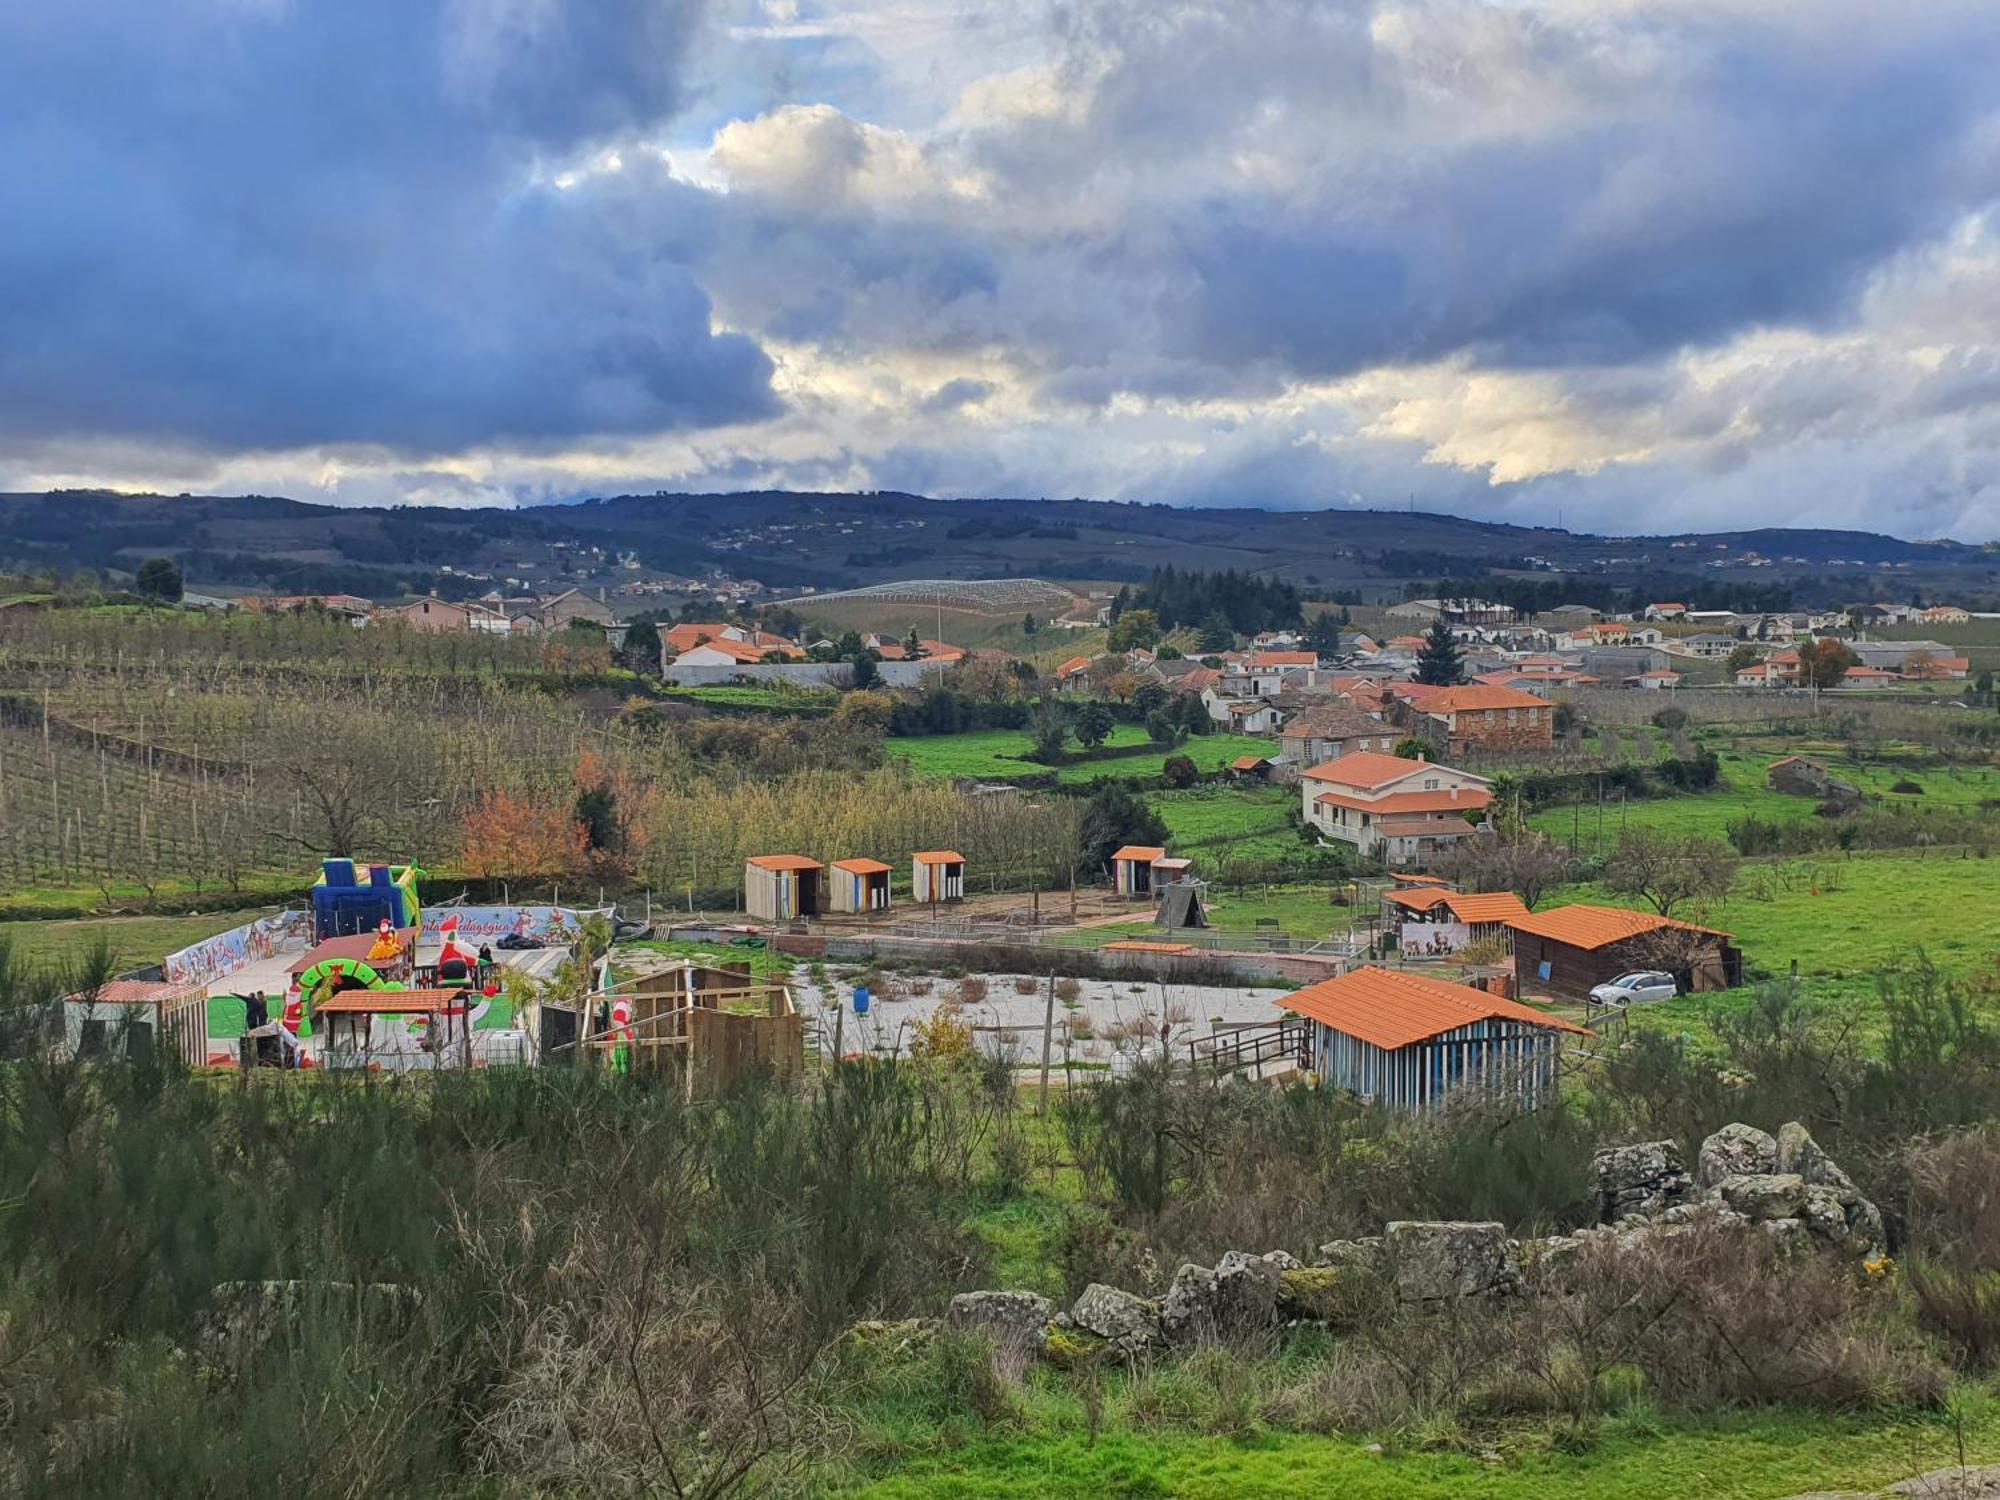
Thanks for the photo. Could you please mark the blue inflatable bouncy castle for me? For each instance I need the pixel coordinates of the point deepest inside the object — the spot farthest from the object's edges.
(348, 899)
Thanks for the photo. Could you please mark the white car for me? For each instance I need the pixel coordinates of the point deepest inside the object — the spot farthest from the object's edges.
(1636, 988)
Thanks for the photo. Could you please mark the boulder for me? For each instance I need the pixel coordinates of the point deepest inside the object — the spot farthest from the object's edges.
(1432, 1261)
(1363, 1257)
(1641, 1180)
(1736, 1151)
(1010, 1317)
(1764, 1197)
(1129, 1324)
(1246, 1292)
(1799, 1152)
(1333, 1295)
(1188, 1311)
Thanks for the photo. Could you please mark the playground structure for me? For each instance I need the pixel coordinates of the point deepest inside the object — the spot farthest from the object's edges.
(348, 899)
(703, 1026)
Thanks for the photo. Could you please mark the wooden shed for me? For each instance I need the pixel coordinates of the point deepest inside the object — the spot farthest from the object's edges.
(783, 887)
(1132, 869)
(1570, 949)
(937, 875)
(858, 885)
(138, 1018)
(1482, 913)
(1406, 1041)
(703, 1025)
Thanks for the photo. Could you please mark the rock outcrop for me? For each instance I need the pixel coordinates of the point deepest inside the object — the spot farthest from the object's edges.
(1783, 1185)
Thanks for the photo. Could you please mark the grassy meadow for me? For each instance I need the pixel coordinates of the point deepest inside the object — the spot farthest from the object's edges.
(1000, 755)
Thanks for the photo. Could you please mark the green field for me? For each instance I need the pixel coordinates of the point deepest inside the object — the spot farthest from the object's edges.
(724, 695)
(997, 755)
(1751, 1457)
(135, 941)
(1744, 793)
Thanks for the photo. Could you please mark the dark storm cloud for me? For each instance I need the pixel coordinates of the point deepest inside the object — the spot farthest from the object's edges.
(259, 224)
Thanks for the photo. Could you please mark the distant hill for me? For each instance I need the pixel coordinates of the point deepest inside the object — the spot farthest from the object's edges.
(843, 541)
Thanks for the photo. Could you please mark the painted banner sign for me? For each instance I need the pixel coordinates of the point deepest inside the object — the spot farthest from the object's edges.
(548, 925)
(222, 955)
(1434, 939)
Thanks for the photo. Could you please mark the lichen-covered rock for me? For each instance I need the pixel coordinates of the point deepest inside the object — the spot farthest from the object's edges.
(1362, 1256)
(1639, 1180)
(1283, 1260)
(1736, 1151)
(1431, 1261)
(1131, 1325)
(1764, 1197)
(1333, 1295)
(1246, 1292)
(1188, 1310)
(1068, 1347)
(1010, 1317)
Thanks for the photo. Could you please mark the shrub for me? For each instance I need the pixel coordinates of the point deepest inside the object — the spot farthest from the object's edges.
(971, 990)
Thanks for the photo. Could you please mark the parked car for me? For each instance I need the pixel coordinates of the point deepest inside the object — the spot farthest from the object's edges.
(1636, 988)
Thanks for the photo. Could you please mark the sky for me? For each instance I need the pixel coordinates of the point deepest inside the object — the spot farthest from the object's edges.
(1625, 265)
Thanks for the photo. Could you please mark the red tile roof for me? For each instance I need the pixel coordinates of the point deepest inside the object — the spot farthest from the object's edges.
(1467, 906)
(389, 1002)
(1365, 768)
(1074, 665)
(1469, 698)
(1392, 1009)
(783, 862)
(1283, 659)
(1598, 926)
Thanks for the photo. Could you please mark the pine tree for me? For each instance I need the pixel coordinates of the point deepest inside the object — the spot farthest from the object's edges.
(1439, 663)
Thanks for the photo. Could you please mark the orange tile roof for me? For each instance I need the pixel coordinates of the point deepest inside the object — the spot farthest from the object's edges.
(1465, 799)
(1598, 926)
(1392, 1009)
(1467, 906)
(1134, 945)
(862, 866)
(1369, 768)
(392, 1002)
(132, 992)
(783, 862)
(1405, 879)
(939, 857)
(1284, 659)
(1074, 664)
(1144, 852)
(1249, 762)
(1466, 699)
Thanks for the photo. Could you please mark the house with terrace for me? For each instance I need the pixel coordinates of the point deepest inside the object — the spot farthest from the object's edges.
(1391, 808)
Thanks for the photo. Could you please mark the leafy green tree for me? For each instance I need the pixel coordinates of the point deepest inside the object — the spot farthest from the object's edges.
(866, 675)
(1439, 664)
(1179, 771)
(1823, 663)
(1114, 816)
(642, 647)
(1149, 697)
(1049, 730)
(1190, 714)
(158, 579)
(1741, 657)
(1323, 634)
(1215, 634)
(1410, 747)
(1029, 624)
(1093, 724)
(1135, 630)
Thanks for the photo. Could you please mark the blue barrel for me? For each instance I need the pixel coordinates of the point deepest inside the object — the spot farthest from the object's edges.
(861, 999)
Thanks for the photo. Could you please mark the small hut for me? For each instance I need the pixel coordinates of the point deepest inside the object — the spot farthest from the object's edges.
(702, 1025)
(1181, 905)
(138, 1018)
(1250, 768)
(937, 875)
(1132, 869)
(396, 1031)
(782, 887)
(859, 885)
(1569, 949)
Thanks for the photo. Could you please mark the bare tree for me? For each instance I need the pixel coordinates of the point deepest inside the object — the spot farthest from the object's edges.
(1667, 871)
(1527, 866)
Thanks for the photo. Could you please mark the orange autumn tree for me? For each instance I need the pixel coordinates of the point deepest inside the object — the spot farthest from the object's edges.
(508, 835)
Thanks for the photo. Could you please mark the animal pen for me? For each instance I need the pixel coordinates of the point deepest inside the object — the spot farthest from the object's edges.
(703, 1027)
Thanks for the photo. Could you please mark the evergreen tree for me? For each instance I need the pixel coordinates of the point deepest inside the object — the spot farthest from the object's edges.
(1439, 663)
(1029, 624)
(1323, 635)
(159, 579)
(1215, 632)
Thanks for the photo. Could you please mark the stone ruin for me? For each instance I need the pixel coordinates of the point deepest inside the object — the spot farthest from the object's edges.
(1784, 1185)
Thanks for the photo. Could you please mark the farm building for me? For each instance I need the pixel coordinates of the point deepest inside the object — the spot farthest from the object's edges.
(1132, 869)
(1570, 949)
(1250, 768)
(780, 887)
(858, 885)
(1409, 1042)
(937, 875)
(1482, 914)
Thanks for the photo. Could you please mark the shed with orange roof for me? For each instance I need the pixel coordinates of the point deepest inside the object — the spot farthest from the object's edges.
(937, 875)
(783, 887)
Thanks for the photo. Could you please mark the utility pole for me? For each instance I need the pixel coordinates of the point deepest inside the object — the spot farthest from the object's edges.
(1048, 1031)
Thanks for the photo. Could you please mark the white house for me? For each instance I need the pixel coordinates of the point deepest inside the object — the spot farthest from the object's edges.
(1402, 810)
